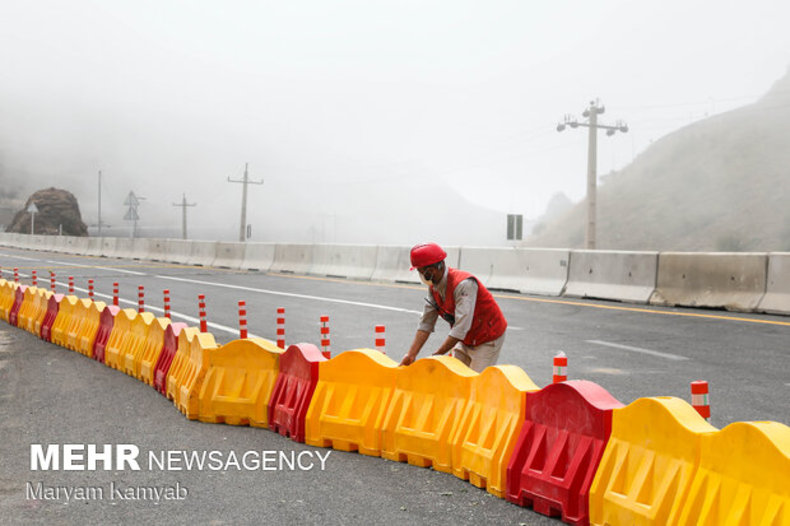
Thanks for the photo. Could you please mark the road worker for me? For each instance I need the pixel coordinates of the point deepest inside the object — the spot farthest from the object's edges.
(477, 326)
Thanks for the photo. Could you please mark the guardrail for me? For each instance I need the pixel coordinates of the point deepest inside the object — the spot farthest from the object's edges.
(746, 282)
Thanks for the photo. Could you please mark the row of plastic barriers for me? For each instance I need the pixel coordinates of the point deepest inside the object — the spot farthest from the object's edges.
(568, 449)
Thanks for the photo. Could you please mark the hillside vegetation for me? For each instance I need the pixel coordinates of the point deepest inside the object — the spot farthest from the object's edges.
(720, 184)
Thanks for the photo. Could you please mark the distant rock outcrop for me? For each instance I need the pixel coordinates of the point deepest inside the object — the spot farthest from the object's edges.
(55, 208)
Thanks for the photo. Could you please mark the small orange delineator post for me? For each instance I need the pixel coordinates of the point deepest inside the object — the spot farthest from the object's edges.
(325, 351)
(202, 309)
(90, 288)
(281, 327)
(34, 278)
(16, 275)
(115, 292)
(52, 281)
(166, 293)
(242, 320)
(699, 398)
(71, 284)
(381, 339)
(140, 299)
(560, 368)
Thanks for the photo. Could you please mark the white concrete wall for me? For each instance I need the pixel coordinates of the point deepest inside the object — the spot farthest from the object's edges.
(611, 275)
(777, 290)
(735, 281)
(532, 271)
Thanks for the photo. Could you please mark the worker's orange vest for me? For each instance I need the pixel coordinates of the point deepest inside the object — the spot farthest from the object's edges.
(488, 322)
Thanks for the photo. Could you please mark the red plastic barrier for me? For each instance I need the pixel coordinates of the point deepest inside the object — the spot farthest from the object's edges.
(19, 297)
(294, 390)
(166, 356)
(53, 305)
(560, 446)
(106, 322)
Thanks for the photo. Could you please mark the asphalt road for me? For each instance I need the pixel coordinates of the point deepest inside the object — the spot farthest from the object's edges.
(49, 395)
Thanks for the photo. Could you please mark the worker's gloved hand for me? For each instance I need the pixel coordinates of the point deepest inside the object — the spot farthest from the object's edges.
(407, 360)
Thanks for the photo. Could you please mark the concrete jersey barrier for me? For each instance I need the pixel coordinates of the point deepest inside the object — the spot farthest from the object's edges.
(735, 281)
(258, 256)
(757, 282)
(228, 255)
(346, 261)
(124, 248)
(202, 253)
(177, 251)
(393, 263)
(157, 250)
(295, 258)
(532, 271)
(612, 275)
(777, 290)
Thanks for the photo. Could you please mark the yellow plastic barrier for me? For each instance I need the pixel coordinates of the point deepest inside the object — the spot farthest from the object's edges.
(743, 477)
(490, 427)
(133, 352)
(648, 464)
(239, 382)
(201, 345)
(74, 329)
(144, 368)
(7, 296)
(63, 320)
(117, 343)
(40, 304)
(350, 401)
(89, 327)
(423, 418)
(175, 374)
(28, 308)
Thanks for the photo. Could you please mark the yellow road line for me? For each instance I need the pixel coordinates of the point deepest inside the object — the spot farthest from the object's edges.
(643, 310)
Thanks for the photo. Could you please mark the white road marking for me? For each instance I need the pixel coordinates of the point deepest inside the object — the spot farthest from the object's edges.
(110, 269)
(608, 370)
(21, 257)
(292, 295)
(68, 264)
(664, 355)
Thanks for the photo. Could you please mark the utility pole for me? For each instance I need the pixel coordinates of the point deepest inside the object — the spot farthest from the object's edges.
(99, 203)
(245, 182)
(591, 114)
(183, 204)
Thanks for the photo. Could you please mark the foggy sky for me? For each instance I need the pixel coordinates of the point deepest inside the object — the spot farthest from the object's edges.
(355, 110)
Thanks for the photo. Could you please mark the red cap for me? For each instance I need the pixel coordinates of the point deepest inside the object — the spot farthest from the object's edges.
(426, 254)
